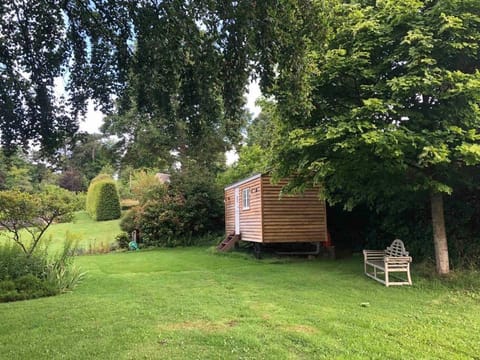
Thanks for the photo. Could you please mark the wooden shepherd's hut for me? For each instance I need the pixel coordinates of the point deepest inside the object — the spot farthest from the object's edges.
(255, 212)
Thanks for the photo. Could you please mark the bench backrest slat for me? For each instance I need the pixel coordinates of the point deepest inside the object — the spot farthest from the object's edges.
(396, 249)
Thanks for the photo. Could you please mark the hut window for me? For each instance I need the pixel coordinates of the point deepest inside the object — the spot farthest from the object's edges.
(246, 198)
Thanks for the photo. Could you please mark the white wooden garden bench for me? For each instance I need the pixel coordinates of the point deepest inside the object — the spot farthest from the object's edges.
(394, 259)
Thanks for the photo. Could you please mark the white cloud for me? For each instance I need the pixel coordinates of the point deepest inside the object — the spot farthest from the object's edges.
(93, 119)
(253, 93)
(231, 156)
(59, 86)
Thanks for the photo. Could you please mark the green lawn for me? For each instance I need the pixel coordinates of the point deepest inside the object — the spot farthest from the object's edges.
(193, 304)
(91, 234)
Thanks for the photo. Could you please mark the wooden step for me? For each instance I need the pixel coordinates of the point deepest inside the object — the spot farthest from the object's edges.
(228, 243)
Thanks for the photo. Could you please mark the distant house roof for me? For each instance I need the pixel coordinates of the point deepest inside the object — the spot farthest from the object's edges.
(162, 177)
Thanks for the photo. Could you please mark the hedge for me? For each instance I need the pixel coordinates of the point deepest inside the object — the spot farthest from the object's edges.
(103, 202)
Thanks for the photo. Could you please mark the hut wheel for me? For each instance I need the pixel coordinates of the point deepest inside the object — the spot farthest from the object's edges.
(257, 250)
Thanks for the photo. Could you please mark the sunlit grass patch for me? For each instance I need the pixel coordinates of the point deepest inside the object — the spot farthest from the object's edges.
(188, 303)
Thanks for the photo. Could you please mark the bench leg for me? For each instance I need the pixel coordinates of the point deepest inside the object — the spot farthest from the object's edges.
(408, 275)
(386, 276)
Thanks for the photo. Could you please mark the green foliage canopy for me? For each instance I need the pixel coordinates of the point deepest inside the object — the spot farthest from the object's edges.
(392, 104)
(385, 103)
(182, 65)
(86, 154)
(26, 217)
(44, 40)
(180, 212)
(251, 160)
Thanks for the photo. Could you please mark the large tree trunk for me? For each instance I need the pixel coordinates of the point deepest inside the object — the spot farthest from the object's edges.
(439, 234)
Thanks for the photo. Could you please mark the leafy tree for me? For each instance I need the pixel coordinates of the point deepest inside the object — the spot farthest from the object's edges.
(88, 154)
(72, 180)
(25, 217)
(142, 140)
(144, 184)
(254, 154)
(178, 214)
(3, 170)
(151, 140)
(107, 170)
(41, 173)
(19, 178)
(24, 172)
(384, 104)
(182, 64)
(261, 130)
(43, 40)
(251, 160)
(18, 171)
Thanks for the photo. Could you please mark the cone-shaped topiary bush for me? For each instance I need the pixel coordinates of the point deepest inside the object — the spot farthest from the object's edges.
(103, 202)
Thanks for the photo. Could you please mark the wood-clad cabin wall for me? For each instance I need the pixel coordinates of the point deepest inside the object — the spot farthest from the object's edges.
(229, 211)
(251, 218)
(299, 218)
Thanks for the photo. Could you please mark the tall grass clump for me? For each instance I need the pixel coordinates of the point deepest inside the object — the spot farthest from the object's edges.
(27, 276)
(61, 272)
